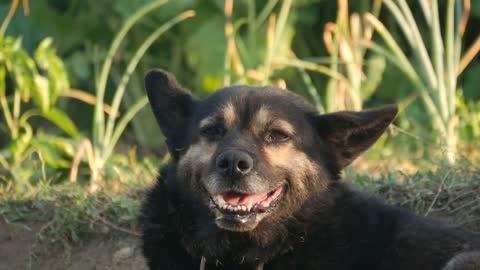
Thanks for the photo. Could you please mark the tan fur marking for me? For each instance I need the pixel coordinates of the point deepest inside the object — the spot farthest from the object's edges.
(282, 125)
(297, 163)
(206, 121)
(195, 163)
(262, 117)
(229, 115)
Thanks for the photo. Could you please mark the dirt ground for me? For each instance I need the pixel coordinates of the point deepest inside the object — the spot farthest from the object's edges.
(102, 252)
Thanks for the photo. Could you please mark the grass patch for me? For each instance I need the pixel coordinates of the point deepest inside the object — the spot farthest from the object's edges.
(69, 215)
(446, 192)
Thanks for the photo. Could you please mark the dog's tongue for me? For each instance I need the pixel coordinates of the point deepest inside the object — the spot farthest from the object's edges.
(235, 198)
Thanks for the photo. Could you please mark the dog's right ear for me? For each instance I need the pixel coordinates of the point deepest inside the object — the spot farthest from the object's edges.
(172, 105)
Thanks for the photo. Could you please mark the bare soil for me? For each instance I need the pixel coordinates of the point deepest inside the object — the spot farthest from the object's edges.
(103, 251)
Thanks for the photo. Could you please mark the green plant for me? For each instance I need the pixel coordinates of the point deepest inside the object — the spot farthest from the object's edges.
(41, 79)
(433, 73)
(107, 133)
(244, 64)
(343, 41)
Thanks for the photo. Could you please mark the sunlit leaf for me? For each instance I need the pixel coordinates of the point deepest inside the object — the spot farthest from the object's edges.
(19, 146)
(40, 93)
(50, 154)
(47, 59)
(374, 74)
(22, 68)
(61, 120)
(2, 81)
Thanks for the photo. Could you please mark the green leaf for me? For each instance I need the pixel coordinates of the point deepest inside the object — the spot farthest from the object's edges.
(61, 120)
(67, 146)
(47, 59)
(375, 68)
(50, 154)
(2, 81)
(24, 71)
(19, 146)
(40, 94)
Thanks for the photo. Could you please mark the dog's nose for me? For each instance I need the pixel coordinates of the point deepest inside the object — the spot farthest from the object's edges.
(234, 163)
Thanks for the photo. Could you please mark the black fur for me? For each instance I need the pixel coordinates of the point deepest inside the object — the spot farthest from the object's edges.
(335, 229)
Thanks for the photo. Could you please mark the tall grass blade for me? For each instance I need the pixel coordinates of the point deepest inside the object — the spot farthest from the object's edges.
(438, 60)
(312, 90)
(469, 56)
(98, 125)
(122, 124)
(407, 67)
(133, 64)
(419, 45)
(297, 63)
(450, 56)
(266, 11)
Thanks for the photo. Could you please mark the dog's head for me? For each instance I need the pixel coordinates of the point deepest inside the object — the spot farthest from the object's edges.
(251, 154)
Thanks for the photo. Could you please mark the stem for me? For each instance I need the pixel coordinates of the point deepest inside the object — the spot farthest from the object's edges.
(408, 69)
(16, 110)
(438, 52)
(314, 67)
(98, 125)
(269, 48)
(419, 45)
(267, 9)
(469, 56)
(131, 67)
(228, 29)
(251, 30)
(122, 124)
(8, 118)
(450, 76)
(281, 22)
(312, 90)
(9, 17)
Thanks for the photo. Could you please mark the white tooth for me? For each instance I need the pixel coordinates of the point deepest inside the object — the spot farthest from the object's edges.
(219, 200)
(249, 204)
(230, 207)
(244, 208)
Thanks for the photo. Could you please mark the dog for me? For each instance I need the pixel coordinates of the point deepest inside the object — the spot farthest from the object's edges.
(254, 183)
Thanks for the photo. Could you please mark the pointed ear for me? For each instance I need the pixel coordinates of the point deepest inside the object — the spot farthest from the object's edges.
(351, 133)
(172, 105)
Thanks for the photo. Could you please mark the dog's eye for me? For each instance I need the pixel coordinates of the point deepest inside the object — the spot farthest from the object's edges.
(276, 136)
(213, 132)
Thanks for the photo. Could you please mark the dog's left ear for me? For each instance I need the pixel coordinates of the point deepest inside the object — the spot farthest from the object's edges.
(172, 105)
(351, 133)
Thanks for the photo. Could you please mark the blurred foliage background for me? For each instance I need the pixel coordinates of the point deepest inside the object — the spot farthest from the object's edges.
(335, 53)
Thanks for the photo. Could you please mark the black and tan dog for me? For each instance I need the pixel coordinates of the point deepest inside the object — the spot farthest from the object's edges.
(253, 183)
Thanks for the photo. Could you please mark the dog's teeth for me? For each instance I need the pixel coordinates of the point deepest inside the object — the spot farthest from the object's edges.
(249, 204)
(265, 204)
(244, 208)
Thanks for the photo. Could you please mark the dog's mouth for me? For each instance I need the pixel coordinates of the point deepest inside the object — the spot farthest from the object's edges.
(239, 211)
